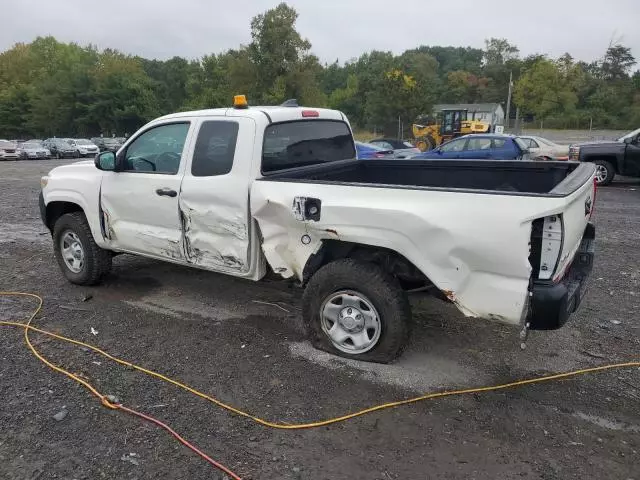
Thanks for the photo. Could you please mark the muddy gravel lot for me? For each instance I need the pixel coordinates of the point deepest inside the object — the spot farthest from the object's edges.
(243, 343)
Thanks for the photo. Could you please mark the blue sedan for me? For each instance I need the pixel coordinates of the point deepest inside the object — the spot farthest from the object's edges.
(478, 147)
(366, 151)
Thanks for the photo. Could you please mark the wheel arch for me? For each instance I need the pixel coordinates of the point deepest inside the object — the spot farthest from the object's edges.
(54, 210)
(392, 262)
(612, 159)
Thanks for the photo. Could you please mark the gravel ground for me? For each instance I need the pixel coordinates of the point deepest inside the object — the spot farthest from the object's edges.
(211, 331)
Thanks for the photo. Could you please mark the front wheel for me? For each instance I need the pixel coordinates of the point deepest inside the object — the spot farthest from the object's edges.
(424, 144)
(604, 172)
(81, 260)
(357, 311)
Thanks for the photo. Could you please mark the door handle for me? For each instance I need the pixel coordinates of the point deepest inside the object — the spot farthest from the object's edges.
(166, 192)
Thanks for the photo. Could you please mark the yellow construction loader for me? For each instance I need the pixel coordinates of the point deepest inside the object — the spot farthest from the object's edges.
(431, 131)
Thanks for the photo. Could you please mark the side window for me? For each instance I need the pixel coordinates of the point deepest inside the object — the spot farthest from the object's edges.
(215, 148)
(454, 146)
(498, 143)
(479, 144)
(157, 150)
(533, 144)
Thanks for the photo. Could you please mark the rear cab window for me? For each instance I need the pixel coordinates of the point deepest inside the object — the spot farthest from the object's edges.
(306, 142)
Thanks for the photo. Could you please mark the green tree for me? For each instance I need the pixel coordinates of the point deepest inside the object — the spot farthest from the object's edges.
(544, 89)
(617, 62)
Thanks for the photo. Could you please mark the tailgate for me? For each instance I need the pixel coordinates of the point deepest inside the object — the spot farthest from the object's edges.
(567, 234)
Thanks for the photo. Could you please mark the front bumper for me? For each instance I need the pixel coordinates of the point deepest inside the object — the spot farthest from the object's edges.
(553, 303)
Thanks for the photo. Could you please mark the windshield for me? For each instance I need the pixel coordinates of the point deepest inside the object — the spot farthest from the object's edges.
(31, 145)
(110, 141)
(629, 135)
(82, 141)
(306, 142)
(7, 145)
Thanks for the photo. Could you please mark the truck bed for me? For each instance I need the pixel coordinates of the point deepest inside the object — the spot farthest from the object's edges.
(508, 177)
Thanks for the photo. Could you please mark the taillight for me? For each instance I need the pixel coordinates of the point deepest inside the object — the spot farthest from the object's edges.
(546, 246)
(379, 155)
(310, 113)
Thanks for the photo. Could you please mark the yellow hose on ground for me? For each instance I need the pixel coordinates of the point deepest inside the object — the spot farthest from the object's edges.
(284, 426)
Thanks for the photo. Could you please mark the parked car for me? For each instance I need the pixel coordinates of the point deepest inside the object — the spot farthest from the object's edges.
(33, 150)
(545, 149)
(107, 144)
(480, 147)
(401, 148)
(366, 151)
(8, 150)
(279, 189)
(620, 157)
(84, 147)
(60, 148)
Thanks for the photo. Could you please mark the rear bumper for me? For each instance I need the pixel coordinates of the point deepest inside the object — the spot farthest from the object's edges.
(553, 303)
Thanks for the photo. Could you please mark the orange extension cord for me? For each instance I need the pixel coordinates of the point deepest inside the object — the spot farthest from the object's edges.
(282, 426)
(103, 398)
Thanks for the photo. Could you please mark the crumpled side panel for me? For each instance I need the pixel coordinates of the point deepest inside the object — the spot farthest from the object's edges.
(475, 248)
(214, 236)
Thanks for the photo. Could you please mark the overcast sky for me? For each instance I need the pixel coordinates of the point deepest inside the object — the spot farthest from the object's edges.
(337, 29)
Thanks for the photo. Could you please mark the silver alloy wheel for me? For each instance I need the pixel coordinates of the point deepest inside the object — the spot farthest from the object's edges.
(72, 251)
(601, 173)
(350, 321)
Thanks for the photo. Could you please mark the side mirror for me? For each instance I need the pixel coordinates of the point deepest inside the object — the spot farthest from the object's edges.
(629, 140)
(106, 161)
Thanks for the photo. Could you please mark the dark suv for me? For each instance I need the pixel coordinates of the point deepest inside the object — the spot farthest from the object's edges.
(60, 148)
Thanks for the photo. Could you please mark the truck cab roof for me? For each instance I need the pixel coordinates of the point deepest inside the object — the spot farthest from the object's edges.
(263, 114)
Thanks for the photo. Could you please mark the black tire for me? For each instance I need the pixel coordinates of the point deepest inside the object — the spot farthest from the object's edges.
(76, 154)
(428, 141)
(58, 157)
(97, 261)
(609, 172)
(381, 289)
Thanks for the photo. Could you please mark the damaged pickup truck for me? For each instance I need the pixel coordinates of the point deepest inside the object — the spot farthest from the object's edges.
(242, 191)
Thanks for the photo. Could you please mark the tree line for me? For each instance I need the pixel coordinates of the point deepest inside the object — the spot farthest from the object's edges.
(52, 88)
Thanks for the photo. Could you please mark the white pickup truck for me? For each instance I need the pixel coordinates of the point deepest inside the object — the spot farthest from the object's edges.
(243, 190)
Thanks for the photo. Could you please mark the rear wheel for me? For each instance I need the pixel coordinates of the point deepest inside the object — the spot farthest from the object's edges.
(358, 311)
(604, 172)
(81, 260)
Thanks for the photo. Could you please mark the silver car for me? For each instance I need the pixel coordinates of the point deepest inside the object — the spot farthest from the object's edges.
(84, 147)
(401, 148)
(33, 151)
(8, 150)
(541, 148)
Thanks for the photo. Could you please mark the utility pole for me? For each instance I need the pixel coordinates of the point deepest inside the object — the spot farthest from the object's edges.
(509, 100)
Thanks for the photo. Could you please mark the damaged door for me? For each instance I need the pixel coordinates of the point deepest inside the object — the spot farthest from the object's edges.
(214, 199)
(139, 203)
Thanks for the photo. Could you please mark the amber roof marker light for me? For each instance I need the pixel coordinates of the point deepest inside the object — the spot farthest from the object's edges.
(240, 101)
